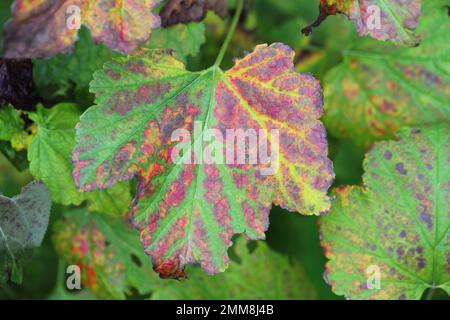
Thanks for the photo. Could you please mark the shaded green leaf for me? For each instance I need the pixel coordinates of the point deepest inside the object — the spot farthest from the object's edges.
(55, 76)
(185, 39)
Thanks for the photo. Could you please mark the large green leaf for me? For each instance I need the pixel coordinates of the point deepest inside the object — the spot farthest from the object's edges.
(258, 274)
(23, 222)
(397, 226)
(380, 88)
(187, 213)
(50, 161)
(46, 27)
(108, 253)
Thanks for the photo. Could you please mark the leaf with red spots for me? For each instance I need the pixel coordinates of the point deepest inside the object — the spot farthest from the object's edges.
(379, 88)
(45, 27)
(187, 213)
(278, 279)
(389, 239)
(23, 223)
(394, 20)
(108, 253)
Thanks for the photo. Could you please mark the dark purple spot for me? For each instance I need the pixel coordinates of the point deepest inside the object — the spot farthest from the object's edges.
(427, 219)
(421, 263)
(400, 167)
(402, 234)
(388, 155)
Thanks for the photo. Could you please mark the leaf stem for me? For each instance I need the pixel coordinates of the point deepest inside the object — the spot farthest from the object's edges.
(223, 49)
(430, 293)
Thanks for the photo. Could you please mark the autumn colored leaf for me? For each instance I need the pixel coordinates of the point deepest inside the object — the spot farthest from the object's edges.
(187, 213)
(395, 228)
(394, 20)
(282, 279)
(379, 88)
(23, 222)
(50, 161)
(46, 27)
(108, 253)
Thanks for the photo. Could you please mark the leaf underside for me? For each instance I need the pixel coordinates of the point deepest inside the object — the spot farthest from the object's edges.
(23, 222)
(187, 213)
(396, 226)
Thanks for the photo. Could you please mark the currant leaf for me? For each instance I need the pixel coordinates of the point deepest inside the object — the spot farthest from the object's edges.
(187, 213)
(394, 20)
(44, 28)
(389, 239)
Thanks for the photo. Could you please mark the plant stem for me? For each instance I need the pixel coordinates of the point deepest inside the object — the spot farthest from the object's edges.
(430, 294)
(223, 49)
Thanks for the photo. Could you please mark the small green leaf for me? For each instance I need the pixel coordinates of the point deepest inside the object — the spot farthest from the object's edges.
(396, 228)
(50, 161)
(108, 253)
(256, 274)
(10, 122)
(23, 223)
(379, 88)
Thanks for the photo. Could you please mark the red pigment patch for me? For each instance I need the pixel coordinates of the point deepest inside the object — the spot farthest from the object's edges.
(170, 269)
